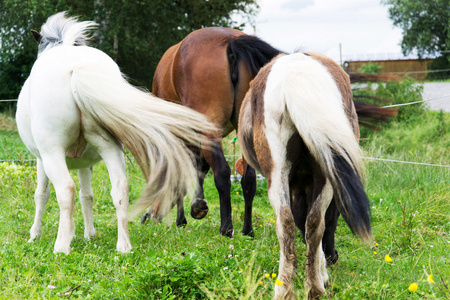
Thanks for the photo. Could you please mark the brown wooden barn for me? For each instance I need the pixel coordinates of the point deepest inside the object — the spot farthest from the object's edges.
(414, 68)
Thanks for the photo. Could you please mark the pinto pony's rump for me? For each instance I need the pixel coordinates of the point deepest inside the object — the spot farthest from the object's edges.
(76, 109)
(298, 126)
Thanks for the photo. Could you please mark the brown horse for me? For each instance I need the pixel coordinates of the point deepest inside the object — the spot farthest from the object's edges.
(298, 127)
(210, 71)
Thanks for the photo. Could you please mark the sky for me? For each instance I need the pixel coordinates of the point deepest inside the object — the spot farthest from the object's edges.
(360, 28)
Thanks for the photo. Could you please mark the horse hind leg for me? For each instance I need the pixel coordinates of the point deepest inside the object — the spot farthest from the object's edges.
(115, 162)
(316, 273)
(300, 209)
(58, 173)
(278, 192)
(331, 218)
(41, 197)
(222, 172)
(248, 183)
(87, 201)
(199, 205)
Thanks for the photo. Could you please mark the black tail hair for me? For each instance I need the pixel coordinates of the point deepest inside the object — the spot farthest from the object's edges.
(254, 51)
(353, 203)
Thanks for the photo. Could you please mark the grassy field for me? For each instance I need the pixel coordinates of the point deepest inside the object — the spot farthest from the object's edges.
(410, 213)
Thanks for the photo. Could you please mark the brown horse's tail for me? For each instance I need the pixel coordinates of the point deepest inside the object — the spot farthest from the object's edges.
(250, 49)
(372, 115)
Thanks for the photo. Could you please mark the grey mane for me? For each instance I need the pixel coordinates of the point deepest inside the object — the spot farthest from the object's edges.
(62, 30)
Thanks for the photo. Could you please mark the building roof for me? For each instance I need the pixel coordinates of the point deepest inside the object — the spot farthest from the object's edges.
(384, 56)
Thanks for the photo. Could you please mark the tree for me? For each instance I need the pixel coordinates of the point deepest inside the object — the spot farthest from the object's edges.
(134, 33)
(426, 28)
(425, 24)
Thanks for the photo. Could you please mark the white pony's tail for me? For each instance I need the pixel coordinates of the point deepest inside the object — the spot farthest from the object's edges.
(155, 131)
(313, 102)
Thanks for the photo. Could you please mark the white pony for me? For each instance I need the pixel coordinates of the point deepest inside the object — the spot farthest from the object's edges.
(76, 109)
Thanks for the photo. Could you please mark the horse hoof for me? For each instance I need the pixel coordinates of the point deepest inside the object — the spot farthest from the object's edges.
(315, 293)
(145, 218)
(181, 223)
(250, 233)
(199, 209)
(227, 233)
(332, 259)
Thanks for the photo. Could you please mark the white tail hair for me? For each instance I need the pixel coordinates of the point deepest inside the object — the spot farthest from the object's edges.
(156, 132)
(315, 106)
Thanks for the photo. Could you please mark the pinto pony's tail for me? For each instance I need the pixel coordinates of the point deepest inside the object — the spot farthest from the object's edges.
(155, 131)
(314, 104)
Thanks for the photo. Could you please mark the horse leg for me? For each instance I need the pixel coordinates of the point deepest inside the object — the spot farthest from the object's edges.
(331, 218)
(40, 198)
(222, 172)
(316, 273)
(181, 219)
(278, 192)
(248, 183)
(199, 206)
(115, 163)
(300, 208)
(56, 169)
(87, 201)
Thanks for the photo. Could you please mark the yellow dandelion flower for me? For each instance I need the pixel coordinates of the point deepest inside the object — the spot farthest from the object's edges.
(209, 217)
(413, 287)
(399, 201)
(430, 278)
(260, 225)
(237, 193)
(376, 244)
(278, 282)
(267, 275)
(387, 258)
(375, 252)
(261, 282)
(271, 220)
(274, 275)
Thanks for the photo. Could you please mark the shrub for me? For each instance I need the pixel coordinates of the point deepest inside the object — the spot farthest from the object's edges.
(370, 68)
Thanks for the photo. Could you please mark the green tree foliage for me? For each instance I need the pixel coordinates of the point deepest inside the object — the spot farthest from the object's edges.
(134, 33)
(426, 28)
(425, 24)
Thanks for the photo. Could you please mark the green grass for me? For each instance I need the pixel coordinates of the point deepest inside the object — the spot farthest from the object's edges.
(410, 214)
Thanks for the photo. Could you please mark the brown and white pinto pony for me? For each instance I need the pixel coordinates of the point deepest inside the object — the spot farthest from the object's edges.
(298, 127)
